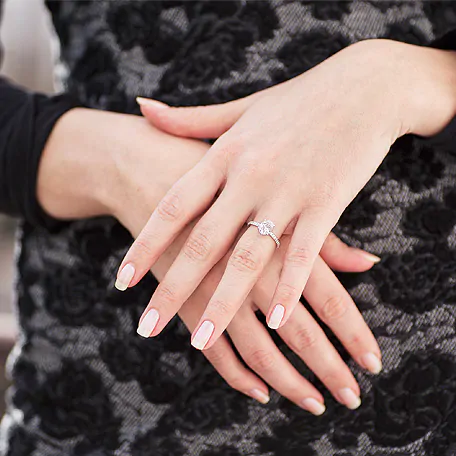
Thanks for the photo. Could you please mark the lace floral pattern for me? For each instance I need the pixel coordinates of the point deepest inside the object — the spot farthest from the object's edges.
(86, 385)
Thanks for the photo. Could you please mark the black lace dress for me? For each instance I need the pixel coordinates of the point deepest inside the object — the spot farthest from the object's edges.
(86, 384)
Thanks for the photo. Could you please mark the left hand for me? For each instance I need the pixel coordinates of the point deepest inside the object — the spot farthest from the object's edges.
(263, 362)
(297, 154)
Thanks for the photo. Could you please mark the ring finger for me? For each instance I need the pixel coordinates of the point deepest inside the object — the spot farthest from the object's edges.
(244, 268)
(263, 357)
(307, 339)
(336, 308)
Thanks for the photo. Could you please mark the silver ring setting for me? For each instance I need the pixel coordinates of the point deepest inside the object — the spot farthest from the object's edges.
(265, 228)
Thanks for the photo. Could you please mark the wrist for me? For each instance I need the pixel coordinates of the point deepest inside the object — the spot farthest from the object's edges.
(70, 174)
(413, 88)
(425, 81)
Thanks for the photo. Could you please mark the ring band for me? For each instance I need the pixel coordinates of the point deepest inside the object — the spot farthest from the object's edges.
(265, 228)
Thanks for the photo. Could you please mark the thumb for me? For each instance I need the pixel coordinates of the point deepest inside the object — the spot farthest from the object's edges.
(194, 122)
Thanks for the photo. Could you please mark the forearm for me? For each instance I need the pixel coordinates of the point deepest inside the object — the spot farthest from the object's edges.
(102, 163)
(71, 164)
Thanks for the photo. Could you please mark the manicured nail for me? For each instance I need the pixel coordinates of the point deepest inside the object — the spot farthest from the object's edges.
(148, 323)
(124, 277)
(372, 363)
(313, 406)
(276, 316)
(260, 396)
(148, 102)
(349, 398)
(369, 256)
(202, 336)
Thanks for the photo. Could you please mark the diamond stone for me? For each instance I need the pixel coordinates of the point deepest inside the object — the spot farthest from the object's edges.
(266, 227)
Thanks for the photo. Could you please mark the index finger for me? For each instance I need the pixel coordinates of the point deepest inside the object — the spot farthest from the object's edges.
(188, 197)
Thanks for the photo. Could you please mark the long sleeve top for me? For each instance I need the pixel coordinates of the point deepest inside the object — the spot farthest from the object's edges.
(27, 119)
(86, 384)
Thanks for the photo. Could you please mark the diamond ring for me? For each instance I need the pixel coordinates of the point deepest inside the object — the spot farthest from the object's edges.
(265, 228)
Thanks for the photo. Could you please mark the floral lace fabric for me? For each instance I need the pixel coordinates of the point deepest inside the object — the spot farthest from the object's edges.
(86, 384)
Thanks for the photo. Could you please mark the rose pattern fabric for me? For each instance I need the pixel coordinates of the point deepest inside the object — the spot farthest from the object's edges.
(86, 385)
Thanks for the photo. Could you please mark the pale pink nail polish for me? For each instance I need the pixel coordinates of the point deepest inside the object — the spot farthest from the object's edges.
(276, 316)
(153, 103)
(369, 256)
(202, 336)
(349, 398)
(371, 362)
(124, 278)
(260, 396)
(148, 323)
(313, 406)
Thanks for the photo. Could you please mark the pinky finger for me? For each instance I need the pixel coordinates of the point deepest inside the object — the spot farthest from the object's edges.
(342, 257)
(229, 366)
(305, 245)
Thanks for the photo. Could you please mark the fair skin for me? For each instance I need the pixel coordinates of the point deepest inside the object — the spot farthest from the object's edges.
(100, 163)
(296, 154)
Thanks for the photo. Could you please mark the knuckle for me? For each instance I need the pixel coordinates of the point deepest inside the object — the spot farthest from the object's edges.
(230, 146)
(215, 356)
(326, 195)
(287, 293)
(169, 208)
(143, 245)
(165, 294)
(197, 247)
(303, 339)
(261, 360)
(245, 260)
(334, 308)
(221, 308)
(299, 256)
(330, 379)
(236, 381)
(355, 341)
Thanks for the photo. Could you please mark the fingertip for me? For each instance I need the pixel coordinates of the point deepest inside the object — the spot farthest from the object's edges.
(353, 260)
(372, 363)
(260, 395)
(202, 335)
(361, 260)
(374, 259)
(148, 323)
(314, 406)
(125, 277)
(151, 104)
(276, 316)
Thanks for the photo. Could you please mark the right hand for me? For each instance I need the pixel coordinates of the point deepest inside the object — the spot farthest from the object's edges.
(99, 163)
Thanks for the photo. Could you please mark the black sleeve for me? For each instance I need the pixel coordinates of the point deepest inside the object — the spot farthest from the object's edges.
(446, 139)
(26, 121)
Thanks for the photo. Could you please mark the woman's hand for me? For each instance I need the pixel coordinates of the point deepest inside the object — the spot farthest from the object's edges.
(302, 333)
(296, 154)
(98, 163)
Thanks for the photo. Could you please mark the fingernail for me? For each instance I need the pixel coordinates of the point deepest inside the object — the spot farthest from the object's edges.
(148, 102)
(371, 362)
(124, 277)
(148, 323)
(313, 406)
(369, 256)
(202, 336)
(349, 398)
(260, 396)
(276, 316)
